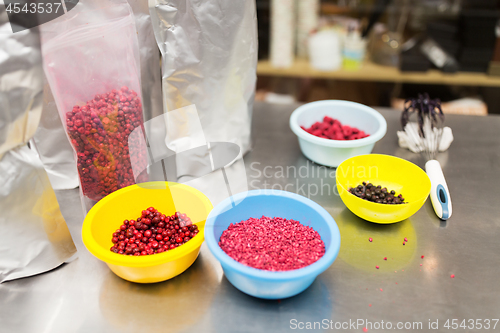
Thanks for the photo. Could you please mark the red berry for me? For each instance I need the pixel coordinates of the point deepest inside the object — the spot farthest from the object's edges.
(140, 238)
(332, 129)
(274, 232)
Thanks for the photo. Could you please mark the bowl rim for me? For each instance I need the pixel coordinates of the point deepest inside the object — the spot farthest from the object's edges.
(374, 204)
(379, 134)
(112, 258)
(315, 268)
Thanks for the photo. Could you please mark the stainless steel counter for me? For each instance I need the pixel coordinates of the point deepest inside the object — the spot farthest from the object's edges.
(85, 296)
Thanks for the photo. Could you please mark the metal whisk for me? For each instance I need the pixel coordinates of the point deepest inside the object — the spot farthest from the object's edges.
(426, 136)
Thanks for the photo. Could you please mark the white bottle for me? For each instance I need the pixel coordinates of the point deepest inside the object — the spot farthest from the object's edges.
(325, 51)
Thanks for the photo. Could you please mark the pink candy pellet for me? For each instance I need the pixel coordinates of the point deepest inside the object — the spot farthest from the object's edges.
(406, 239)
(370, 239)
(377, 267)
(385, 258)
(365, 329)
(273, 244)
(422, 257)
(452, 276)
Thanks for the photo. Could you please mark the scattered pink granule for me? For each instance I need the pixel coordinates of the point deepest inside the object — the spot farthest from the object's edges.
(381, 289)
(422, 257)
(369, 305)
(377, 267)
(404, 243)
(272, 244)
(406, 239)
(452, 276)
(370, 239)
(385, 258)
(365, 329)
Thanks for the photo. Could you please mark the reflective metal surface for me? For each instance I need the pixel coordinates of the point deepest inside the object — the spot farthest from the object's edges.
(84, 296)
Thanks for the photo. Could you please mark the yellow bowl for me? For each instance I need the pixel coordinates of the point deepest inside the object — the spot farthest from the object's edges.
(126, 204)
(388, 171)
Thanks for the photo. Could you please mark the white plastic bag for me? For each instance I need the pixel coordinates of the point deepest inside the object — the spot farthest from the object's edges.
(50, 140)
(91, 60)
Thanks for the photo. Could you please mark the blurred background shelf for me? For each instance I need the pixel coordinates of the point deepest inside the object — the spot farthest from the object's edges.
(378, 73)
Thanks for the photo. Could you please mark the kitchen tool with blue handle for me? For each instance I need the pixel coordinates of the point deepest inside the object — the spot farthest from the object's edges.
(440, 195)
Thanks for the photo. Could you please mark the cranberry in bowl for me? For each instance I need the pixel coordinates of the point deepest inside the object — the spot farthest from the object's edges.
(118, 211)
(332, 149)
(277, 276)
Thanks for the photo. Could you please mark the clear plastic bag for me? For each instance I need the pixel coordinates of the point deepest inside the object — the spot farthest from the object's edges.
(50, 139)
(91, 61)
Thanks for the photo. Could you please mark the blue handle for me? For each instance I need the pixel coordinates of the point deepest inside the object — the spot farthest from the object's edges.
(443, 200)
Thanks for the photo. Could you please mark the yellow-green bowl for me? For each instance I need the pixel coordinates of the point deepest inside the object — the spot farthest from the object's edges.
(392, 172)
(127, 204)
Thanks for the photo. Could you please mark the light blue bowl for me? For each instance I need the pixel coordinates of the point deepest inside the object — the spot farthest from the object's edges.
(271, 203)
(333, 152)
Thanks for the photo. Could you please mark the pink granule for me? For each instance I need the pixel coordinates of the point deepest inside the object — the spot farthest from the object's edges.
(272, 244)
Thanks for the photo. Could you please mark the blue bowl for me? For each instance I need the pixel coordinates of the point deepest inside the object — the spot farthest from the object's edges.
(271, 203)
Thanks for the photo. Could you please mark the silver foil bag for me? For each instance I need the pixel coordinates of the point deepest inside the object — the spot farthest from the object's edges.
(52, 145)
(209, 59)
(34, 237)
(150, 60)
